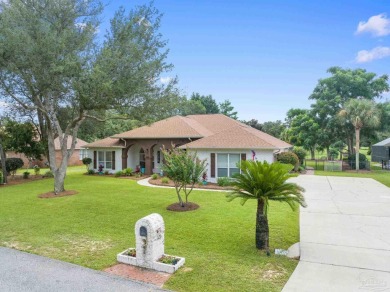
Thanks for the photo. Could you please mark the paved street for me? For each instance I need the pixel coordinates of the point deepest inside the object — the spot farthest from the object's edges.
(20, 271)
(345, 236)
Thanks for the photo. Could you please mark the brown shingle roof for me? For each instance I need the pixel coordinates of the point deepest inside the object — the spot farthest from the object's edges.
(107, 142)
(173, 127)
(79, 143)
(212, 131)
(238, 137)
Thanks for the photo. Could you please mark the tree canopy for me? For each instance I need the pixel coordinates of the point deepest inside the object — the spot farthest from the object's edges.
(53, 61)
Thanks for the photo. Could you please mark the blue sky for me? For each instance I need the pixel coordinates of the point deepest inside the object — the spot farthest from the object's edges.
(267, 56)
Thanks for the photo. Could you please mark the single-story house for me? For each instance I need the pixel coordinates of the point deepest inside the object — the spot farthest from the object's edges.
(76, 159)
(222, 141)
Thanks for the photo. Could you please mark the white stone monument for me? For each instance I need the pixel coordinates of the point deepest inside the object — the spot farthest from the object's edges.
(149, 237)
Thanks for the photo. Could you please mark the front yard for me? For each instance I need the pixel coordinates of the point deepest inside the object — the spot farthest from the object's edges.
(90, 228)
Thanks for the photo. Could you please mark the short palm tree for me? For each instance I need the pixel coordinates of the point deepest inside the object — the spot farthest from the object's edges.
(360, 113)
(264, 182)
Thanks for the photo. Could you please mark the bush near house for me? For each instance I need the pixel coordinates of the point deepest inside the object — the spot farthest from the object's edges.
(87, 161)
(224, 181)
(301, 153)
(289, 158)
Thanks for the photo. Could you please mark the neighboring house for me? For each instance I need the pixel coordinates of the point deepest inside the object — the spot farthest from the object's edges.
(76, 159)
(380, 152)
(222, 141)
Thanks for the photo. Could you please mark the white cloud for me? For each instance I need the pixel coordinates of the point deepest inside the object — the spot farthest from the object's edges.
(376, 53)
(3, 104)
(377, 25)
(165, 80)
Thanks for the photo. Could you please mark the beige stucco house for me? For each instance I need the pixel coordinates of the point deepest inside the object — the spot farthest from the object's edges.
(222, 141)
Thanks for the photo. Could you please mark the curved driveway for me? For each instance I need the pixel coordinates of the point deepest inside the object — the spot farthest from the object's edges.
(345, 236)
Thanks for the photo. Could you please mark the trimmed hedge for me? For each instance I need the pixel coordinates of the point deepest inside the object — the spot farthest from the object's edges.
(289, 158)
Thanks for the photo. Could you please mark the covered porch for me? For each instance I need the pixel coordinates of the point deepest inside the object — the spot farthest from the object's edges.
(145, 155)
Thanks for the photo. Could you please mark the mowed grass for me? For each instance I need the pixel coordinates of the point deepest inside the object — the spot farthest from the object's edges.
(90, 228)
(383, 176)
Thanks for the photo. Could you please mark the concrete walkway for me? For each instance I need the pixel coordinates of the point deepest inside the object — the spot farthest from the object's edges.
(345, 236)
(20, 271)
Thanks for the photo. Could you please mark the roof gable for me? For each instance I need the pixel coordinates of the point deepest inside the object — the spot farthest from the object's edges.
(173, 127)
(238, 137)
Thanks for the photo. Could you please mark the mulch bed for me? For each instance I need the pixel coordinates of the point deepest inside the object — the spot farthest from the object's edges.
(133, 177)
(209, 186)
(18, 179)
(139, 274)
(176, 207)
(50, 195)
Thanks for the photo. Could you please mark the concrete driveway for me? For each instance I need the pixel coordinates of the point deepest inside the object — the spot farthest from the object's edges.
(345, 236)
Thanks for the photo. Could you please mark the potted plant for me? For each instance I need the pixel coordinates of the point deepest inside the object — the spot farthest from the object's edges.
(101, 167)
(204, 178)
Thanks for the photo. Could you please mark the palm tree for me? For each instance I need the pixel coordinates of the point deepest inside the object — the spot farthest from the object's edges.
(264, 182)
(360, 113)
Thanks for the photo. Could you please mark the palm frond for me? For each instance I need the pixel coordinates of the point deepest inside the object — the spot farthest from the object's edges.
(264, 181)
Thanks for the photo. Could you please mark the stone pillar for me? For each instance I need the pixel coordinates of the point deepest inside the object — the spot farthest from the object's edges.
(149, 236)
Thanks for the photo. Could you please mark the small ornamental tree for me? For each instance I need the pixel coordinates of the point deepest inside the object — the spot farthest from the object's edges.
(87, 161)
(185, 169)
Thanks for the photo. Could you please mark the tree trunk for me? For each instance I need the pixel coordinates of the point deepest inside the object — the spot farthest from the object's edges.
(262, 231)
(3, 168)
(312, 153)
(357, 133)
(350, 145)
(328, 153)
(59, 181)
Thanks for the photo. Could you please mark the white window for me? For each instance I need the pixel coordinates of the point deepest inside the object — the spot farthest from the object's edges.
(227, 164)
(105, 159)
(83, 153)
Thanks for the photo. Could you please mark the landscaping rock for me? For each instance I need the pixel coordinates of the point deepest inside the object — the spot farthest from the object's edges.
(294, 251)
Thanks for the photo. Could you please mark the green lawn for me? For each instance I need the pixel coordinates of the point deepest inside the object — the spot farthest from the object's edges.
(91, 227)
(383, 176)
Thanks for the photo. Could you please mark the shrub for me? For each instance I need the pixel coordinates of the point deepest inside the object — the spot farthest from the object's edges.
(48, 173)
(87, 161)
(91, 171)
(1, 177)
(13, 164)
(37, 169)
(289, 158)
(224, 181)
(369, 151)
(106, 172)
(362, 160)
(301, 153)
(154, 176)
(128, 171)
(334, 153)
(118, 173)
(165, 180)
(26, 174)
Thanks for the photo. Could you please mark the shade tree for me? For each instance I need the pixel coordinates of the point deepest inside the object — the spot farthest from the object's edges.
(53, 61)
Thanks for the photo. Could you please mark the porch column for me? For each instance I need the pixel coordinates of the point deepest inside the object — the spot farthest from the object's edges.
(148, 163)
(124, 157)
